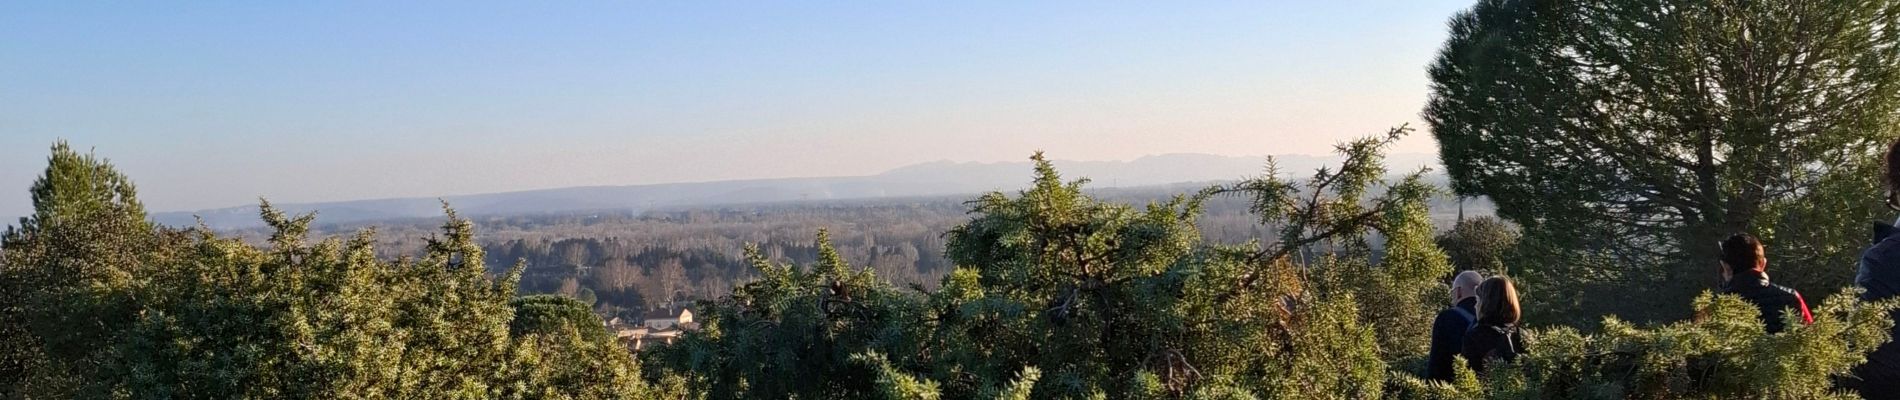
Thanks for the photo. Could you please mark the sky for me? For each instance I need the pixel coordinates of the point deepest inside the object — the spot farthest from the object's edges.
(214, 104)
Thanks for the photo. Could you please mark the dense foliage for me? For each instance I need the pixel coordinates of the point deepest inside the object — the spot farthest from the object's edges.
(1626, 137)
(1480, 244)
(1060, 295)
(1618, 137)
(1720, 354)
(1056, 294)
(102, 304)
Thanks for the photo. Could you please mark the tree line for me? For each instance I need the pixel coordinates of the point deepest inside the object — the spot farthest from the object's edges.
(624, 263)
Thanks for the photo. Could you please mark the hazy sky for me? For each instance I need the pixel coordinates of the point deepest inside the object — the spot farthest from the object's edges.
(212, 104)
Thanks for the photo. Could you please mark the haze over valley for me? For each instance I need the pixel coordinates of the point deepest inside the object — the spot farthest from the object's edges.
(943, 178)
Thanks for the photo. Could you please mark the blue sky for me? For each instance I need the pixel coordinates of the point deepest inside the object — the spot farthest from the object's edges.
(213, 104)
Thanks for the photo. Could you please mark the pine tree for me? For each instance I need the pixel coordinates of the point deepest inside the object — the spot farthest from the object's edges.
(1479, 244)
(68, 274)
(1625, 137)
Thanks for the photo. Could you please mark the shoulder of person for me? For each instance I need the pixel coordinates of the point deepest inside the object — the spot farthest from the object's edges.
(1886, 248)
(1883, 259)
(1786, 291)
(1473, 333)
(1481, 330)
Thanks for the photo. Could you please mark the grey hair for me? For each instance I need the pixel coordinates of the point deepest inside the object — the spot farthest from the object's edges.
(1467, 279)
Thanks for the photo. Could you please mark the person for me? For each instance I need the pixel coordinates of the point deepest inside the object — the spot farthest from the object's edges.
(1448, 329)
(1879, 277)
(1744, 273)
(1495, 337)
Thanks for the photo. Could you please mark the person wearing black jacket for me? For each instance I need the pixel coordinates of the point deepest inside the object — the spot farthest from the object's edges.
(1495, 337)
(1879, 275)
(1448, 329)
(1744, 271)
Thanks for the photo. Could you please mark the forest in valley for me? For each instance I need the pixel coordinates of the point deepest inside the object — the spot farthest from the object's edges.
(625, 263)
(1619, 141)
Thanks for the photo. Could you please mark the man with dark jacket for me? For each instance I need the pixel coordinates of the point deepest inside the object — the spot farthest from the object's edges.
(1879, 275)
(1744, 269)
(1448, 330)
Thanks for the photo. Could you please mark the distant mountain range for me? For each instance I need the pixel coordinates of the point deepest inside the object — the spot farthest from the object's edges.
(928, 179)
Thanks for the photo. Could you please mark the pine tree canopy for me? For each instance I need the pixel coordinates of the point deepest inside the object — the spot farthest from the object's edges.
(1626, 137)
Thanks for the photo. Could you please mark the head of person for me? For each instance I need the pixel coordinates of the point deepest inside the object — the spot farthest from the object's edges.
(1497, 301)
(1742, 254)
(1892, 176)
(1465, 285)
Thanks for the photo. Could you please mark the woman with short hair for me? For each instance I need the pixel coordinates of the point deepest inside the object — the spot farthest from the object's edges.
(1496, 335)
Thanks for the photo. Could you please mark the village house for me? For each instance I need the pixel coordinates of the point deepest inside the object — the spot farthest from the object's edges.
(661, 326)
(669, 317)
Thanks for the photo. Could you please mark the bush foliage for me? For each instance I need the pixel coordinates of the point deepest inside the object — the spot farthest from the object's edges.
(1620, 137)
(1055, 295)
(101, 304)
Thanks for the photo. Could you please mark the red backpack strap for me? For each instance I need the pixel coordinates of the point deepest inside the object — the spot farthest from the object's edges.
(1806, 317)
